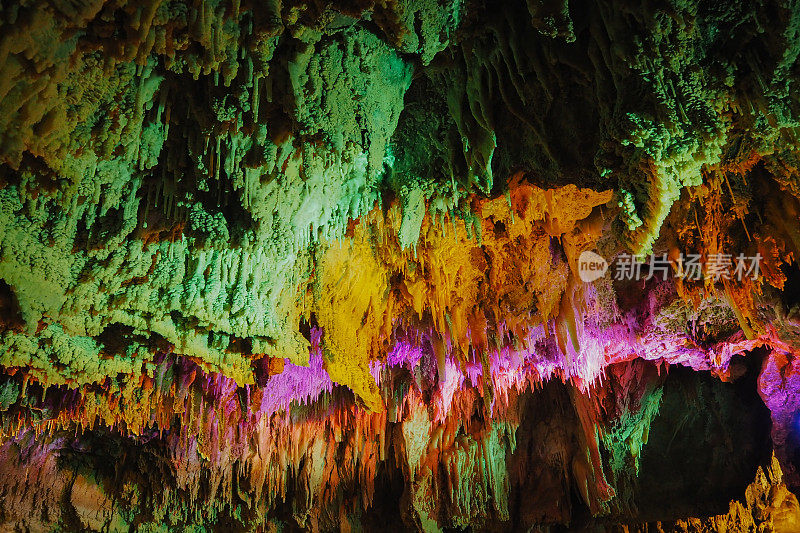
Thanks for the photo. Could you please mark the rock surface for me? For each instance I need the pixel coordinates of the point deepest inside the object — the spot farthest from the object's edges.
(293, 265)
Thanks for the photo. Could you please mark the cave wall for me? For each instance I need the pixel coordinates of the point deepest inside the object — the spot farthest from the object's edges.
(317, 265)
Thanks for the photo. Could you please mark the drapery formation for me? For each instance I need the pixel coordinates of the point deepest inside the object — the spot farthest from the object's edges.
(288, 264)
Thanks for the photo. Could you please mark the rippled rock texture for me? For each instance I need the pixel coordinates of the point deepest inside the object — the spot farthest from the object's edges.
(290, 265)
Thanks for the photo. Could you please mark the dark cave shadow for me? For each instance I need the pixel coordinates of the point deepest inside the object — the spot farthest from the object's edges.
(705, 445)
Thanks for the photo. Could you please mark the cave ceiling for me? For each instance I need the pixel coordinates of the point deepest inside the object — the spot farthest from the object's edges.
(400, 265)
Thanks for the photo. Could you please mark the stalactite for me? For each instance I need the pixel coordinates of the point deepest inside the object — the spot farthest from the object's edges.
(276, 264)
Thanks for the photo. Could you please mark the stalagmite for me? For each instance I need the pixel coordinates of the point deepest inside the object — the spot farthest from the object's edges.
(364, 266)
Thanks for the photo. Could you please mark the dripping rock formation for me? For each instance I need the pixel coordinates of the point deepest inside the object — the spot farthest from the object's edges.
(399, 265)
